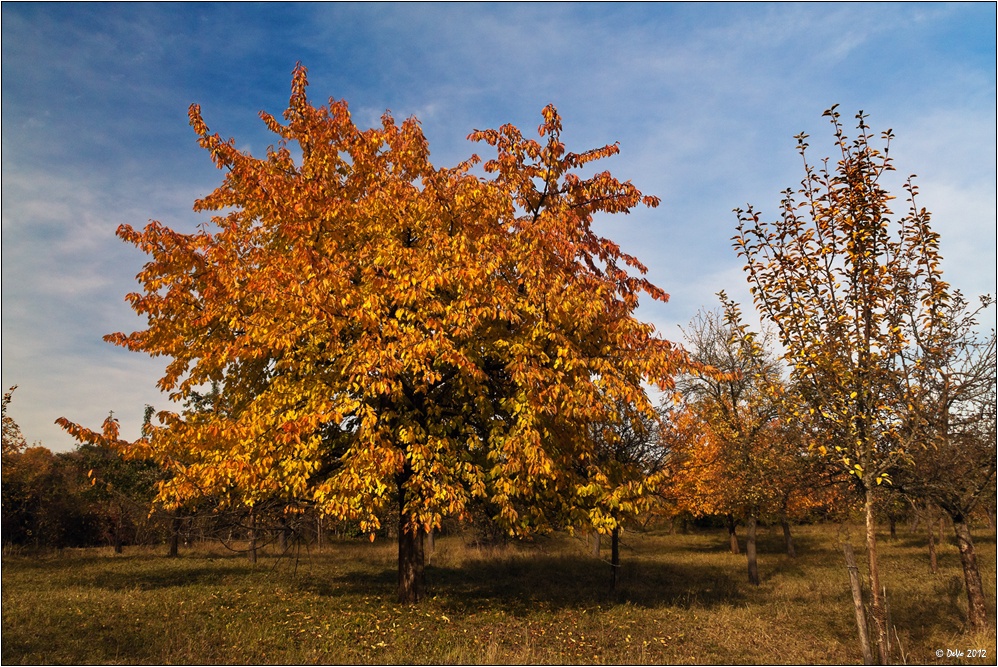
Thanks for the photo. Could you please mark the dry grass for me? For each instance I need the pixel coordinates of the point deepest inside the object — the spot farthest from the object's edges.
(680, 599)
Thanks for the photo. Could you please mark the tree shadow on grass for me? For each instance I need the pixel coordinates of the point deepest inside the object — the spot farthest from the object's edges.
(692, 571)
(521, 584)
(166, 578)
(915, 613)
(769, 541)
(120, 573)
(921, 540)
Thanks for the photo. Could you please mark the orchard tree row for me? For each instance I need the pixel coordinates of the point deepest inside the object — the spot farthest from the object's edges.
(97, 496)
(88, 497)
(386, 338)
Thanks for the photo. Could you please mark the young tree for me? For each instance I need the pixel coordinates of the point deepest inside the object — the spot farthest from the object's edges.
(630, 462)
(746, 462)
(951, 412)
(384, 331)
(849, 289)
(121, 491)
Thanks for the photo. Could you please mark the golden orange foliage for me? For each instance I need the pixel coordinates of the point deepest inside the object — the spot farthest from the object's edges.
(736, 448)
(380, 328)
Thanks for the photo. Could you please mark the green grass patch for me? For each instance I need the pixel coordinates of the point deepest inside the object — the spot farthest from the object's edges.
(680, 599)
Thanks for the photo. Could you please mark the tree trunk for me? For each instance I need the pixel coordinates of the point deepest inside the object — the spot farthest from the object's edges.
(594, 535)
(877, 609)
(282, 534)
(894, 527)
(411, 556)
(411, 564)
(251, 551)
(753, 565)
(614, 555)
(318, 532)
(976, 613)
(118, 548)
(430, 544)
(175, 536)
(732, 537)
(933, 562)
(788, 538)
(989, 513)
(857, 601)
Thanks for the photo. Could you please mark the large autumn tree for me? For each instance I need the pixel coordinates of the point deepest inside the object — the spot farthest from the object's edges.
(853, 290)
(386, 332)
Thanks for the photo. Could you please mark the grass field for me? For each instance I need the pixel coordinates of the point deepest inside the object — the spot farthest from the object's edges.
(680, 599)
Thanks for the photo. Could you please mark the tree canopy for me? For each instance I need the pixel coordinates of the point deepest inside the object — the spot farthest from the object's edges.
(382, 330)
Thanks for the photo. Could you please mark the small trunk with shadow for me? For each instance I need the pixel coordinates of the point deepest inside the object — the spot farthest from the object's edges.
(251, 551)
(283, 531)
(933, 562)
(615, 555)
(753, 564)
(175, 536)
(788, 539)
(732, 537)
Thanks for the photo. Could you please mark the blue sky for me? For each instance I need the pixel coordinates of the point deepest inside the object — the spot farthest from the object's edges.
(704, 99)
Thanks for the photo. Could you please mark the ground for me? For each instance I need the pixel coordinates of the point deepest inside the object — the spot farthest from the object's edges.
(679, 599)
